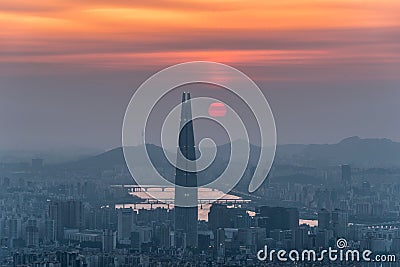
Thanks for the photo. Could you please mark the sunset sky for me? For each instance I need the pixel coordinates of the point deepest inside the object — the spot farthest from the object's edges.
(329, 68)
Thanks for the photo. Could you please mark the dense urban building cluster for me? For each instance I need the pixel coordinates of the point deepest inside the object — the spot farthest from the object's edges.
(84, 222)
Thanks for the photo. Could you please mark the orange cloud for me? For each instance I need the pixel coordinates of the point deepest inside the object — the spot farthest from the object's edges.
(126, 34)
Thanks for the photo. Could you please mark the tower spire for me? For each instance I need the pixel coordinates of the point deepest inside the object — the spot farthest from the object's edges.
(186, 217)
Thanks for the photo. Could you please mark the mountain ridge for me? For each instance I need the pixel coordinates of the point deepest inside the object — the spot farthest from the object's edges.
(364, 153)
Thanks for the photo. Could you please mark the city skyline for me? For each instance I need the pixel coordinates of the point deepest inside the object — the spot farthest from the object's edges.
(97, 217)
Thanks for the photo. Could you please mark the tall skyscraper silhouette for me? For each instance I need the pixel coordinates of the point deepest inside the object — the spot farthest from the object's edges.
(186, 217)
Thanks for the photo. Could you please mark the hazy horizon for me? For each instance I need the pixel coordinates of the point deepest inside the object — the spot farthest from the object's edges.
(73, 148)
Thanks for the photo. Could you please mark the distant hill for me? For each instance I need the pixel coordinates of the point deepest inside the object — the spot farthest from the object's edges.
(107, 160)
(104, 161)
(365, 153)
